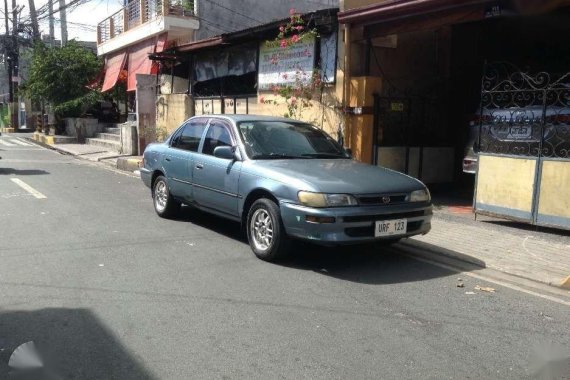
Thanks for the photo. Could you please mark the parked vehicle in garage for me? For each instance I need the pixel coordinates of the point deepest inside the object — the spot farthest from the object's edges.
(282, 179)
(514, 129)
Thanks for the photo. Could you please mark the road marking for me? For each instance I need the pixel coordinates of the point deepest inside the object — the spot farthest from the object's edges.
(5, 143)
(19, 141)
(492, 280)
(28, 188)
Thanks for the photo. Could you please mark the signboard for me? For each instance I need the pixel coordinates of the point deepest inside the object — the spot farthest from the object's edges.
(281, 66)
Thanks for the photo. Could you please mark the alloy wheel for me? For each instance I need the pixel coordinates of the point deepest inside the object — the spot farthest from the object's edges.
(261, 228)
(160, 196)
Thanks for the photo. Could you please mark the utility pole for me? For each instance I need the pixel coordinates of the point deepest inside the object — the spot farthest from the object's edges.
(15, 59)
(51, 23)
(8, 53)
(63, 21)
(34, 17)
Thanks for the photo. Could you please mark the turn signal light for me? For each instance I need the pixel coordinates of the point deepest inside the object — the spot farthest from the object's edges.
(320, 219)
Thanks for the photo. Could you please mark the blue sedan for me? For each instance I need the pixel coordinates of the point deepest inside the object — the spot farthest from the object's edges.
(282, 179)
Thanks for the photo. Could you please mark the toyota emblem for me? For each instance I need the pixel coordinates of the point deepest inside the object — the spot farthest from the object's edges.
(386, 199)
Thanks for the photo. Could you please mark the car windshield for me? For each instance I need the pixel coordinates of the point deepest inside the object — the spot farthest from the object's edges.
(287, 140)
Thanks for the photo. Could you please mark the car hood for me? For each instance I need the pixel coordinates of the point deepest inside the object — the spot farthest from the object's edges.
(338, 176)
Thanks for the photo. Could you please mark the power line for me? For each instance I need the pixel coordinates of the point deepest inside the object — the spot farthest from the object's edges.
(75, 3)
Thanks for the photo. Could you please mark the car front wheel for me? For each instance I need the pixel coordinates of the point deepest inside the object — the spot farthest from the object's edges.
(265, 230)
(164, 204)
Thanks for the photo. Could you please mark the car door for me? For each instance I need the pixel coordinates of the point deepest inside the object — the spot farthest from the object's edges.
(216, 179)
(178, 162)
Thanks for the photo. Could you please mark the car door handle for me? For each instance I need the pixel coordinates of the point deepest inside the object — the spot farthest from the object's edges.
(199, 166)
(167, 159)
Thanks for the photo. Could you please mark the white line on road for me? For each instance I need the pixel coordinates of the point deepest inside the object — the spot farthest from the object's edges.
(19, 141)
(488, 279)
(5, 143)
(28, 188)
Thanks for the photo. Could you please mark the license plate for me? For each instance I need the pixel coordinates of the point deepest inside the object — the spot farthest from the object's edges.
(391, 227)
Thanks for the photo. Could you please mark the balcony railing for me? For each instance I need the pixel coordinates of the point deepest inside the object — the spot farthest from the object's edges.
(138, 12)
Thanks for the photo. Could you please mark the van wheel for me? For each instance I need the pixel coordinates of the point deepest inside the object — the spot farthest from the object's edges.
(265, 230)
(164, 204)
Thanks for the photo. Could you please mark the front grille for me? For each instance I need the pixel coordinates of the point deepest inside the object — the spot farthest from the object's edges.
(373, 218)
(368, 200)
(368, 231)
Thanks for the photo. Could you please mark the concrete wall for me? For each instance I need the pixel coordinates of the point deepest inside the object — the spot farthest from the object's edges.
(172, 110)
(82, 128)
(146, 109)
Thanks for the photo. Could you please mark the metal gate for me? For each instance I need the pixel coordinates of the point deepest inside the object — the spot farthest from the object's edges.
(524, 146)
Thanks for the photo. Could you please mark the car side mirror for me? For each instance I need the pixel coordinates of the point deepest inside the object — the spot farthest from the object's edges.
(225, 152)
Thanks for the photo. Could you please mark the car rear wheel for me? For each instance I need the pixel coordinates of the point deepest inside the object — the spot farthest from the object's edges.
(164, 204)
(265, 230)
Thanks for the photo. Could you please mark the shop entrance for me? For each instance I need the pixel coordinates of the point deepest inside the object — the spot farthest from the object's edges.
(523, 146)
(428, 109)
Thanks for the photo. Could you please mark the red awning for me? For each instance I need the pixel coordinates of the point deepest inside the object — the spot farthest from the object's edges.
(161, 43)
(113, 66)
(139, 63)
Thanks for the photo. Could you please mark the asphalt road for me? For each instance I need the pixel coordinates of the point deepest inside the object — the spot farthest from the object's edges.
(107, 290)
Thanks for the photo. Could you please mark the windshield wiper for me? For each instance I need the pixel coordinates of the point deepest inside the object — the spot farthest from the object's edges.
(324, 155)
(274, 156)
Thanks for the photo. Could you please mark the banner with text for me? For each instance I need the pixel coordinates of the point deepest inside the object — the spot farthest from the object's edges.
(282, 66)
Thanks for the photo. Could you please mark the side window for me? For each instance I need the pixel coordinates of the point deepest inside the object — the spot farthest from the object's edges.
(217, 135)
(190, 137)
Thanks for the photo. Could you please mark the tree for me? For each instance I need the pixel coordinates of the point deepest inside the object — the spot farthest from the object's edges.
(61, 76)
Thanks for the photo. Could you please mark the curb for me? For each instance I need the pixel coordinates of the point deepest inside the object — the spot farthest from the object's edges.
(566, 283)
(417, 245)
(44, 141)
(129, 164)
(41, 138)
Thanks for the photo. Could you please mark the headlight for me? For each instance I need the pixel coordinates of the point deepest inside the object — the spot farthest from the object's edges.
(326, 200)
(420, 196)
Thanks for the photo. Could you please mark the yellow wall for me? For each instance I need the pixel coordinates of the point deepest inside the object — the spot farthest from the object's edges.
(360, 136)
(506, 182)
(172, 110)
(554, 197)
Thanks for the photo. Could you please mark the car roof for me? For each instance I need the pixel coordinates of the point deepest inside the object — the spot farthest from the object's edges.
(239, 118)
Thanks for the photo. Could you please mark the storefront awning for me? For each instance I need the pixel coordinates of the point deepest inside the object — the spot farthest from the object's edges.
(139, 63)
(113, 66)
(394, 9)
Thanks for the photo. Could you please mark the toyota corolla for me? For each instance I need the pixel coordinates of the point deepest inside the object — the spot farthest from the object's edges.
(282, 179)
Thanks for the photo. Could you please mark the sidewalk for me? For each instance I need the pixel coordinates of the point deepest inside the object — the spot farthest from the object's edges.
(83, 151)
(541, 255)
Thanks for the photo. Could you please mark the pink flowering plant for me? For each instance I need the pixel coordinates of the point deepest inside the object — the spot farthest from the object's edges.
(298, 93)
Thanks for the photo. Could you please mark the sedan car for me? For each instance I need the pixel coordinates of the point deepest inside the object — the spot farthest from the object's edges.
(282, 179)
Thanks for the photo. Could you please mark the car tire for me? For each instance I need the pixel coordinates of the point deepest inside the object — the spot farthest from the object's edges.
(164, 204)
(265, 231)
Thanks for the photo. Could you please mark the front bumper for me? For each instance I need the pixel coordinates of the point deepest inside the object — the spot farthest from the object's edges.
(352, 224)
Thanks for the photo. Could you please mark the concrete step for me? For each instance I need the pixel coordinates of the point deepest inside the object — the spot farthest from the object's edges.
(108, 136)
(115, 131)
(111, 145)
